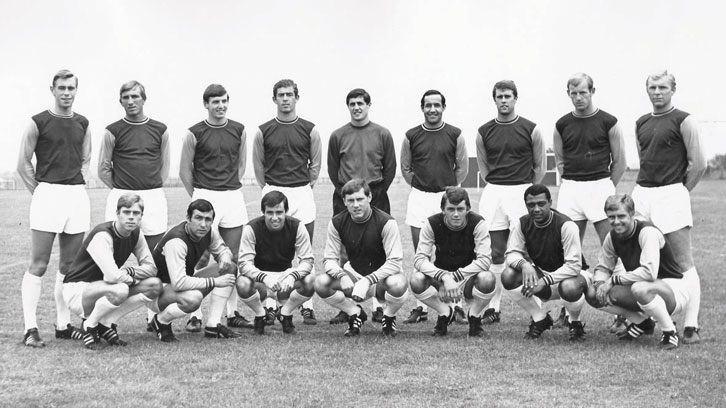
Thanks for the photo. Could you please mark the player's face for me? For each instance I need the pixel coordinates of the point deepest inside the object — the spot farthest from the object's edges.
(285, 99)
(132, 102)
(433, 110)
(358, 109)
(200, 223)
(217, 107)
(358, 205)
(275, 217)
(621, 221)
(580, 96)
(455, 214)
(538, 207)
(660, 93)
(129, 218)
(505, 101)
(64, 92)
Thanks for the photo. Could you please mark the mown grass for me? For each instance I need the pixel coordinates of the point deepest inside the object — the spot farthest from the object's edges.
(319, 367)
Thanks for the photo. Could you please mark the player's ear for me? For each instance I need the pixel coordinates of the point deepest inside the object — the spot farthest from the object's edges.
(592, 92)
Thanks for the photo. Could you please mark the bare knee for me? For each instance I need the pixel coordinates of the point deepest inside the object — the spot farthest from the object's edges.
(245, 287)
(190, 301)
(418, 282)
(322, 285)
(591, 298)
(154, 287)
(117, 294)
(307, 286)
(396, 285)
(485, 282)
(640, 290)
(572, 289)
(38, 267)
(511, 278)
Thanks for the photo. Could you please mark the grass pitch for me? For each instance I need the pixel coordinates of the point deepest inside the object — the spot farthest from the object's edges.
(319, 367)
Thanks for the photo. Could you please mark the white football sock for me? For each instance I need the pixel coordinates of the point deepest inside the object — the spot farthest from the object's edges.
(339, 301)
(295, 300)
(217, 303)
(62, 313)
(659, 312)
(691, 309)
(479, 301)
(102, 308)
(254, 303)
(30, 289)
(393, 303)
(232, 303)
(430, 297)
(171, 313)
(530, 304)
(496, 301)
(129, 305)
(574, 308)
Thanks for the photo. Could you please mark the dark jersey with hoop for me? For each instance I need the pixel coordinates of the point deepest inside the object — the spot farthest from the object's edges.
(544, 243)
(217, 155)
(454, 249)
(628, 250)
(509, 151)
(363, 241)
(433, 157)
(84, 269)
(586, 145)
(195, 250)
(287, 152)
(663, 156)
(59, 149)
(274, 250)
(137, 154)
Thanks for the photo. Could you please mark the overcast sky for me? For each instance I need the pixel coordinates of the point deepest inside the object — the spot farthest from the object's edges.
(394, 49)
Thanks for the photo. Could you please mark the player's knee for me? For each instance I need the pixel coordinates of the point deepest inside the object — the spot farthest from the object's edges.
(485, 282)
(190, 301)
(418, 282)
(307, 287)
(155, 287)
(511, 278)
(640, 290)
(322, 285)
(38, 267)
(117, 293)
(245, 287)
(572, 289)
(591, 298)
(396, 285)
(65, 266)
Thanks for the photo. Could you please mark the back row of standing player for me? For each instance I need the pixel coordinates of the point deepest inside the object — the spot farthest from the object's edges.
(134, 157)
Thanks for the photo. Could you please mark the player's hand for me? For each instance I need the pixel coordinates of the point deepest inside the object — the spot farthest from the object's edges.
(227, 267)
(360, 289)
(529, 279)
(346, 285)
(224, 281)
(285, 285)
(603, 291)
(449, 290)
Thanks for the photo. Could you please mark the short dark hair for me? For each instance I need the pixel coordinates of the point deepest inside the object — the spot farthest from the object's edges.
(503, 85)
(284, 83)
(131, 85)
(578, 78)
(200, 205)
(433, 92)
(64, 74)
(455, 195)
(353, 186)
(537, 189)
(614, 202)
(358, 92)
(273, 199)
(213, 91)
(127, 200)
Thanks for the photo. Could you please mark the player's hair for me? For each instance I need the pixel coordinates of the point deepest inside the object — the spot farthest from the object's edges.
(354, 186)
(578, 78)
(131, 85)
(284, 83)
(537, 189)
(358, 92)
(64, 74)
(503, 85)
(662, 74)
(455, 195)
(213, 91)
(433, 92)
(127, 200)
(273, 199)
(200, 205)
(615, 202)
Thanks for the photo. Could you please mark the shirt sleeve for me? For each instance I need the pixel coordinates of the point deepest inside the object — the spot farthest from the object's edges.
(186, 162)
(86, 154)
(406, 169)
(539, 155)
(316, 156)
(100, 248)
(25, 168)
(218, 249)
(247, 254)
(425, 252)
(462, 160)
(606, 261)
(617, 153)
(482, 250)
(146, 267)
(304, 251)
(394, 253)
(242, 155)
(694, 152)
(570, 238)
(175, 252)
(334, 160)
(165, 156)
(258, 158)
(331, 254)
(651, 241)
(559, 152)
(389, 160)
(105, 153)
(481, 157)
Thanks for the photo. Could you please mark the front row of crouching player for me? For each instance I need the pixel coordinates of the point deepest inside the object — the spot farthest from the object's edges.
(544, 262)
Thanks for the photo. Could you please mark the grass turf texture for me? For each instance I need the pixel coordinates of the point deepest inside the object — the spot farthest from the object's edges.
(318, 366)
